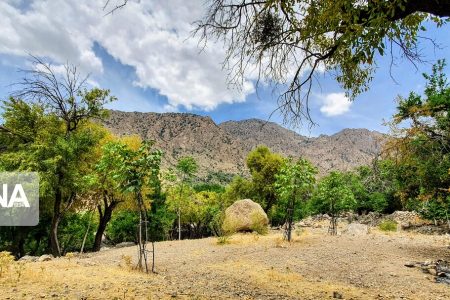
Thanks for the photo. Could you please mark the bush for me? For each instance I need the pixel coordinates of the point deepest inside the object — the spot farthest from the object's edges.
(388, 225)
(258, 223)
(160, 221)
(123, 227)
(435, 209)
(209, 187)
(72, 230)
(6, 259)
(223, 240)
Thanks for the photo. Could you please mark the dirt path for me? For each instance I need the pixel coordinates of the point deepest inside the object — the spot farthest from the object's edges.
(249, 267)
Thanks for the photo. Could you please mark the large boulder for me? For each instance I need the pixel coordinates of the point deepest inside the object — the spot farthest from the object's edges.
(245, 215)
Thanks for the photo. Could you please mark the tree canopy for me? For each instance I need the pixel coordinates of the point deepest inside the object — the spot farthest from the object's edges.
(421, 147)
(289, 42)
(264, 165)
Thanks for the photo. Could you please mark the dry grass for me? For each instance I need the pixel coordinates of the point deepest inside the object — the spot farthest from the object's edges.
(284, 281)
(251, 266)
(64, 279)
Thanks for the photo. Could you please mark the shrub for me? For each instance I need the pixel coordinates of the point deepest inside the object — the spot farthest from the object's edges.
(223, 240)
(72, 230)
(229, 226)
(388, 225)
(258, 223)
(215, 225)
(123, 227)
(160, 220)
(6, 259)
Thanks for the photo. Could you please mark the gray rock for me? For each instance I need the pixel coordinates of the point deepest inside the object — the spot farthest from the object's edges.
(125, 244)
(29, 258)
(356, 229)
(45, 257)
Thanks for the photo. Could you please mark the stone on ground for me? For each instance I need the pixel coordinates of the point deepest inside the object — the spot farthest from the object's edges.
(245, 215)
(356, 229)
(29, 258)
(45, 257)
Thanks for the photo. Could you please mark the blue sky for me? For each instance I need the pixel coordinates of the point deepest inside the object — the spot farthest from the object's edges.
(142, 55)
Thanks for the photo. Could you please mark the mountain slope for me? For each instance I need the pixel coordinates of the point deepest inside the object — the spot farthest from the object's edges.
(183, 134)
(342, 151)
(224, 147)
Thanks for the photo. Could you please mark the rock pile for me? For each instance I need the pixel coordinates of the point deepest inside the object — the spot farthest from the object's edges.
(372, 219)
(440, 269)
(406, 219)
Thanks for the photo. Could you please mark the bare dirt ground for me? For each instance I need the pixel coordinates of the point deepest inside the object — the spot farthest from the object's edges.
(314, 266)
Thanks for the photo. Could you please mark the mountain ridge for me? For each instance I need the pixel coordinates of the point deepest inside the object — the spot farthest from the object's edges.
(223, 147)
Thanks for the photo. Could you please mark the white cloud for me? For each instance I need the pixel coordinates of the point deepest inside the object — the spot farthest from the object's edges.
(151, 36)
(335, 104)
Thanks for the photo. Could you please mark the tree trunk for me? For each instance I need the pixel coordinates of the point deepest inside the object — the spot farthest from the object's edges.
(56, 251)
(179, 212)
(270, 201)
(54, 242)
(102, 227)
(86, 234)
(179, 223)
(104, 218)
(18, 245)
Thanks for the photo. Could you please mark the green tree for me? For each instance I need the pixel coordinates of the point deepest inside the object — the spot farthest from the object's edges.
(294, 185)
(421, 150)
(138, 174)
(332, 197)
(239, 188)
(263, 166)
(69, 105)
(37, 140)
(106, 187)
(186, 167)
(290, 41)
(376, 187)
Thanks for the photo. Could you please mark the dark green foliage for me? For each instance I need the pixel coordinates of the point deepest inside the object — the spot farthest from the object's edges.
(72, 230)
(435, 209)
(209, 187)
(123, 227)
(26, 240)
(160, 219)
(294, 185)
(219, 177)
(422, 151)
(264, 166)
(332, 196)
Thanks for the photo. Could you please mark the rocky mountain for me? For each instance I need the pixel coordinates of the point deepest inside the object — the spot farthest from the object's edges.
(344, 150)
(224, 147)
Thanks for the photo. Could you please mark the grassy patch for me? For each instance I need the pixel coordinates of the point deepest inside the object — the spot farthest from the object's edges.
(223, 240)
(388, 225)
